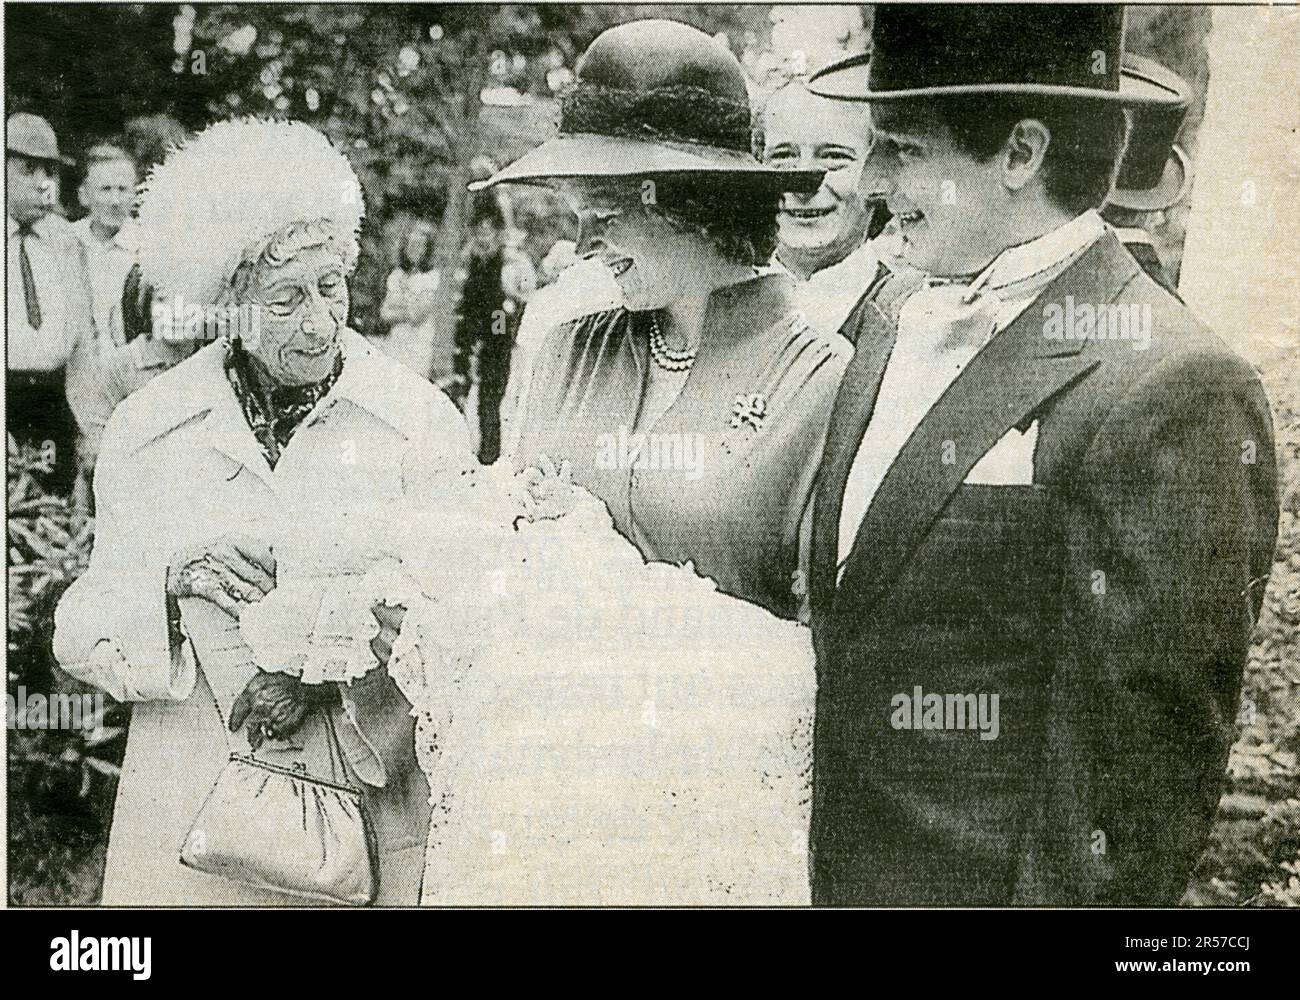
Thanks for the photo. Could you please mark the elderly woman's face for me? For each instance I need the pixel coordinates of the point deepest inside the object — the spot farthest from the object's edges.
(302, 309)
(652, 262)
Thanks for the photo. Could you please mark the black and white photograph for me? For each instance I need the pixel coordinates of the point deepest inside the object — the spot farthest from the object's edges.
(654, 456)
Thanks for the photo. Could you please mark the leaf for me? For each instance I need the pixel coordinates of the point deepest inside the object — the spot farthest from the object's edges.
(103, 767)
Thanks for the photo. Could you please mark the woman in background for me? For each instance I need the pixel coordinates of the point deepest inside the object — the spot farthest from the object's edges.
(409, 304)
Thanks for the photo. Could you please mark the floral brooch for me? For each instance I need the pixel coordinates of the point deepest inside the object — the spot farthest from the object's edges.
(749, 408)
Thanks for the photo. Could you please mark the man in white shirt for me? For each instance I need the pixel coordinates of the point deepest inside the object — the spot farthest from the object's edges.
(823, 238)
(107, 193)
(1047, 506)
(49, 332)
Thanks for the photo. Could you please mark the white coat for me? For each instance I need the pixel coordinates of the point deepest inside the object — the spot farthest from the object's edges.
(179, 466)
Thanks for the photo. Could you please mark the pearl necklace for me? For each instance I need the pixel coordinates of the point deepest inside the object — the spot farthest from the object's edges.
(665, 357)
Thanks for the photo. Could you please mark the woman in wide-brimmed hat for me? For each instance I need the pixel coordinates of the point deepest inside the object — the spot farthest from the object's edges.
(696, 411)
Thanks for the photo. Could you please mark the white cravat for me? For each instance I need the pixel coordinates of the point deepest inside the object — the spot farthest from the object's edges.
(941, 328)
(829, 295)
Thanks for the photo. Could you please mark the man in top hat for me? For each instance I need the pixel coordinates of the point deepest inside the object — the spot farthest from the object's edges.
(1037, 554)
(1154, 173)
(826, 239)
(51, 357)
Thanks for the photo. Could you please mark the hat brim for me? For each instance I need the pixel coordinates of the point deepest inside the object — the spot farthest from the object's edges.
(1168, 192)
(66, 161)
(597, 156)
(849, 81)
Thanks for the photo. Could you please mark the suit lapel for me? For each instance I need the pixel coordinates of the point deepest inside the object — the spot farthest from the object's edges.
(854, 403)
(1008, 381)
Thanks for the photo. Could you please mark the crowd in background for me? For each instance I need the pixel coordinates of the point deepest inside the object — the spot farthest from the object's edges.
(82, 336)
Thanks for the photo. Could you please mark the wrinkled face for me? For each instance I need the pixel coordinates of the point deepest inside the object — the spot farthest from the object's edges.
(804, 131)
(949, 207)
(652, 262)
(29, 188)
(108, 191)
(302, 309)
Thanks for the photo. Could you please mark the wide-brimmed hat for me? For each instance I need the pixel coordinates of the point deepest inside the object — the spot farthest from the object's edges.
(32, 136)
(654, 97)
(950, 50)
(1154, 173)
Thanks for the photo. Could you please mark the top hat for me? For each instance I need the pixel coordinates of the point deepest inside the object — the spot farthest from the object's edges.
(947, 50)
(1154, 172)
(31, 136)
(655, 97)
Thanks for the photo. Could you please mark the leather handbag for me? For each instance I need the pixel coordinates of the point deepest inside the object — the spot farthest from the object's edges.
(281, 828)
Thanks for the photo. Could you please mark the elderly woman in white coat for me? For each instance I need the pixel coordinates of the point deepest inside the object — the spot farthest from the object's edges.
(202, 468)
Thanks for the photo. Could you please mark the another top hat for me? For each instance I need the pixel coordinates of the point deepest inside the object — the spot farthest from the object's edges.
(655, 97)
(1154, 173)
(1049, 50)
(31, 136)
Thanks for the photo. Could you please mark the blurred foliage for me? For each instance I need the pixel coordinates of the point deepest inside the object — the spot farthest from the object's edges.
(400, 87)
(61, 781)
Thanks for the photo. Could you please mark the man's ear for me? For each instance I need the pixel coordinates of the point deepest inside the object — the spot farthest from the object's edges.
(82, 196)
(1023, 153)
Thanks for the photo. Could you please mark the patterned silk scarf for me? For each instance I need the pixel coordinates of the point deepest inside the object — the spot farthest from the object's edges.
(273, 412)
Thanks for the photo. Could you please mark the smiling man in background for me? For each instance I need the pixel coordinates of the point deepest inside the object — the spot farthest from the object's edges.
(823, 239)
(107, 193)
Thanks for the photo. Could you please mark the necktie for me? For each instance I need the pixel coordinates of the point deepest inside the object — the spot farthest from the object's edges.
(29, 281)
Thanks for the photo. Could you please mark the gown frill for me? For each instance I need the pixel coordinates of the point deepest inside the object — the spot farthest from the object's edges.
(594, 729)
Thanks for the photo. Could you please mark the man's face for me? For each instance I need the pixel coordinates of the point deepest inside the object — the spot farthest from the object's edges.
(29, 188)
(804, 131)
(950, 208)
(303, 307)
(107, 193)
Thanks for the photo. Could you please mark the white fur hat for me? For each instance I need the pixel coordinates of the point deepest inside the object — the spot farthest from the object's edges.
(233, 185)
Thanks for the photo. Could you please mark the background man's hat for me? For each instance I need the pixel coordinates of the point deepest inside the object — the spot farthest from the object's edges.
(655, 97)
(1155, 172)
(1046, 50)
(32, 136)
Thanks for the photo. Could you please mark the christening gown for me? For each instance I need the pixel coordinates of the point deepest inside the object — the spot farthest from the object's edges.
(595, 728)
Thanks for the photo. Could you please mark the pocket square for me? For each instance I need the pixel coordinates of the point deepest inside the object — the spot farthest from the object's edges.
(1010, 462)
